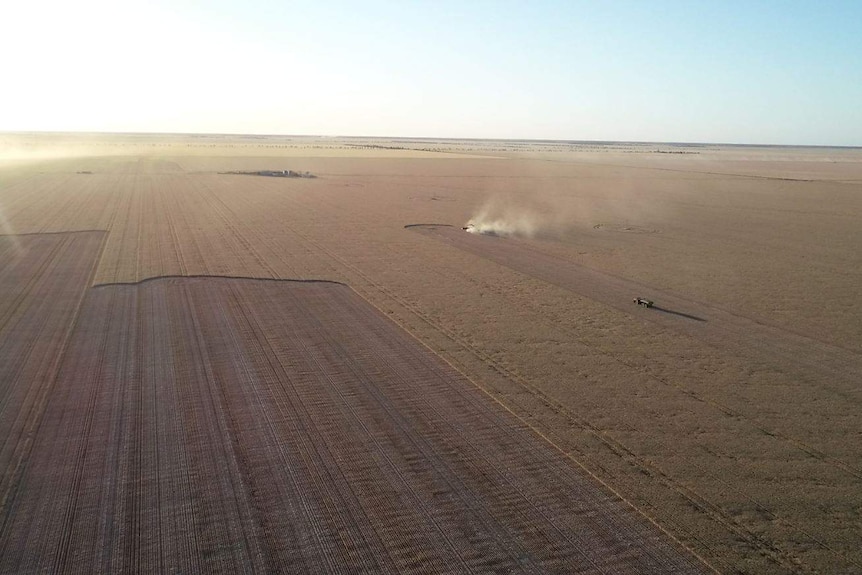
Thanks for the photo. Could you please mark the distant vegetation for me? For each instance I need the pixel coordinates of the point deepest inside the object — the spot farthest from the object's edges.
(275, 173)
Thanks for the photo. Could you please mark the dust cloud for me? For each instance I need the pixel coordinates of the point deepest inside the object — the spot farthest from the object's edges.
(37, 146)
(495, 220)
(7, 233)
(528, 216)
(563, 212)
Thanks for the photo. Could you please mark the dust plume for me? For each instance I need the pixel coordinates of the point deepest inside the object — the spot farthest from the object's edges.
(561, 210)
(496, 220)
(8, 233)
(36, 146)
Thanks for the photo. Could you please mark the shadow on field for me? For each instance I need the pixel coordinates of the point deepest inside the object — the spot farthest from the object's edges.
(679, 313)
(432, 226)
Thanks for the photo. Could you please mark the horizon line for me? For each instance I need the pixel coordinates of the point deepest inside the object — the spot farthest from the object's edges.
(423, 138)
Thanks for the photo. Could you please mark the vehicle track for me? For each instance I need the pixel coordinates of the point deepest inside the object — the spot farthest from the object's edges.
(834, 370)
(694, 499)
(31, 349)
(502, 436)
(225, 425)
(716, 325)
(752, 338)
(365, 280)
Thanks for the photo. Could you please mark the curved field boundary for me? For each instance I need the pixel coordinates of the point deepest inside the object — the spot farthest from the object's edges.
(410, 226)
(207, 276)
(232, 425)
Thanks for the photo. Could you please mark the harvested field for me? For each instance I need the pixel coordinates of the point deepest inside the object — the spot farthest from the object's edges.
(729, 417)
(43, 278)
(228, 425)
(815, 363)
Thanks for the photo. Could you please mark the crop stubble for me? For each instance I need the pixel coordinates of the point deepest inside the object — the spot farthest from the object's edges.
(42, 279)
(704, 436)
(819, 370)
(226, 425)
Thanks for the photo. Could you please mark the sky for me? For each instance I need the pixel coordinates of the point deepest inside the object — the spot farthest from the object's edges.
(743, 72)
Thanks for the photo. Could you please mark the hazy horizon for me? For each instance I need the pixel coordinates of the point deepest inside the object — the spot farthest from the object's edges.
(414, 137)
(668, 72)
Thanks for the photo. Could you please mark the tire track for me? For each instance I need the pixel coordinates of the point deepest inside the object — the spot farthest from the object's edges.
(428, 453)
(70, 268)
(617, 294)
(297, 403)
(618, 449)
(732, 329)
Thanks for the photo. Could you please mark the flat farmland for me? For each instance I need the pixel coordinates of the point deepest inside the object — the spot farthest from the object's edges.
(43, 278)
(183, 381)
(263, 426)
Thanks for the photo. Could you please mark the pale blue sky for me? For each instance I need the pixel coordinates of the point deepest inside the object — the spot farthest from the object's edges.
(735, 72)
